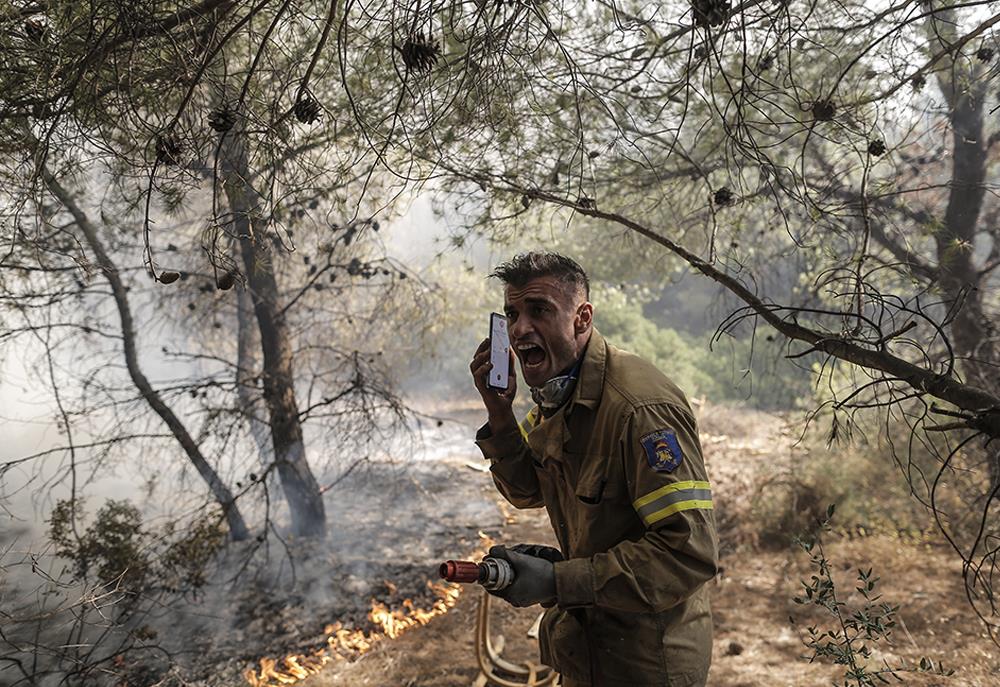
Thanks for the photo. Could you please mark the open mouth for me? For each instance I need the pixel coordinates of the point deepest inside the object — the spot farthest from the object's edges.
(532, 356)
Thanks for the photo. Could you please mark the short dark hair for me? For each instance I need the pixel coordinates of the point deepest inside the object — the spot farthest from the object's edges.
(524, 267)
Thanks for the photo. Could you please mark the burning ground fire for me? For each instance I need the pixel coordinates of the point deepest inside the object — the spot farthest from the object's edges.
(345, 644)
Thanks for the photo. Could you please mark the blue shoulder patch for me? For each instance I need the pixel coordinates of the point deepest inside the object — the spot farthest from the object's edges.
(663, 451)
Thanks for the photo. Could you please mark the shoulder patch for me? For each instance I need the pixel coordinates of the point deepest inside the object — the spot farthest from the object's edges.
(663, 451)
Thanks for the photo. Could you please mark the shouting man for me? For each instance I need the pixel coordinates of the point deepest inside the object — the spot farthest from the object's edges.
(611, 451)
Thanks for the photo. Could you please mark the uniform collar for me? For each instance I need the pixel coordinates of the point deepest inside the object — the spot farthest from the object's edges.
(548, 437)
(590, 384)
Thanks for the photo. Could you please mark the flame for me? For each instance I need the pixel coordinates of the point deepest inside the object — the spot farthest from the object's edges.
(396, 622)
(293, 668)
(344, 644)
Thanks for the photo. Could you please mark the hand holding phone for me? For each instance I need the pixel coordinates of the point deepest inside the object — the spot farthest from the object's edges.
(494, 378)
(499, 375)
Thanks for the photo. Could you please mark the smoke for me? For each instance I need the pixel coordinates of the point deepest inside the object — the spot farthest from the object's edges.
(399, 500)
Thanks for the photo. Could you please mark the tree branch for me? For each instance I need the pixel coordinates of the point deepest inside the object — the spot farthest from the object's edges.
(237, 526)
(983, 406)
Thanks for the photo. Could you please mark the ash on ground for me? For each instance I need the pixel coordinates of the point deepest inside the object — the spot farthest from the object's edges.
(390, 526)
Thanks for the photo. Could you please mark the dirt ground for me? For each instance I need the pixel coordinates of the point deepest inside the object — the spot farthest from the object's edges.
(755, 642)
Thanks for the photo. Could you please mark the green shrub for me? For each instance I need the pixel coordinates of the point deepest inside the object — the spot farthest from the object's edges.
(115, 548)
(111, 547)
(184, 563)
(622, 321)
(874, 474)
(854, 633)
(728, 369)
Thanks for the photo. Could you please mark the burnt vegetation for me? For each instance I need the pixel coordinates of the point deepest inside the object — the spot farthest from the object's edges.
(206, 180)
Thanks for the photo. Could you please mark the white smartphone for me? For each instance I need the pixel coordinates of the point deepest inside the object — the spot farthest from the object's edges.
(499, 353)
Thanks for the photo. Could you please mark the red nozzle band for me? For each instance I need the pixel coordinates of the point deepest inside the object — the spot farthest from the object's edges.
(459, 571)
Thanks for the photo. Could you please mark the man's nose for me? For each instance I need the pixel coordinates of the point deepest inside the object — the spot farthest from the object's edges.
(520, 328)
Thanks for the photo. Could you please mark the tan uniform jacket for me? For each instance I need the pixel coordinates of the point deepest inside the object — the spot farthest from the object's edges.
(619, 470)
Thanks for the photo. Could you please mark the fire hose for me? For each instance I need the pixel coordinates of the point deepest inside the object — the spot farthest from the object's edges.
(494, 574)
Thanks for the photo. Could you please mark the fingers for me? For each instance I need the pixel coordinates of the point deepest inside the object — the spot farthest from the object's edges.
(498, 551)
(547, 553)
(481, 355)
(480, 370)
(511, 390)
(480, 365)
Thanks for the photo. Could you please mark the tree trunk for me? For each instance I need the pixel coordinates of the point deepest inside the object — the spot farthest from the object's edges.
(958, 274)
(959, 279)
(237, 526)
(246, 388)
(305, 502)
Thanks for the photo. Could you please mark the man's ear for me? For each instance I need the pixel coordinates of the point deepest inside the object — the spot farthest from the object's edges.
(584, 318)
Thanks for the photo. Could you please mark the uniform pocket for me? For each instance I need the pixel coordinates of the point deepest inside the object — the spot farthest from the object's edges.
(629, 649)
(591, 490)
(597, 481)
(687, 644)
(594, 506)
(563, 646)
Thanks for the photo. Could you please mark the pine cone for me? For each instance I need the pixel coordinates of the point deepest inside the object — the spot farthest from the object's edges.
(723, 197)
(984, 54)
(307, 110)
(36, 30)
(222, 119)
(824, 110)
(876, 147)
(710, 12)
(420, 53)
(168, 149)
(226, 280)
(42, 111)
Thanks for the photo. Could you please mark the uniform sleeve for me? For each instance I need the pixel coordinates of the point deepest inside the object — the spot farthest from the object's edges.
(512, 465)
(671, 495)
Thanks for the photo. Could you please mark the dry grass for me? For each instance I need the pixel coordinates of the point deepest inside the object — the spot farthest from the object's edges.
(765, 488)
(754, 642)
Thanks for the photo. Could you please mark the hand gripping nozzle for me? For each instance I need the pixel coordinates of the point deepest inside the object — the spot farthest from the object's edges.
(492, 573)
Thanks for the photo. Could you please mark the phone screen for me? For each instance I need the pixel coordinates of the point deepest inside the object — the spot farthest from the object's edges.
(499, 352)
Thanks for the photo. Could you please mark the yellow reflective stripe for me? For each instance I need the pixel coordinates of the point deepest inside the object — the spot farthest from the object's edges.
(674, 497)
(528, 423)
(669, 489)
(676, 508)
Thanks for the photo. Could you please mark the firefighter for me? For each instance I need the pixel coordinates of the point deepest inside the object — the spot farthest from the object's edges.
(610, 449)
